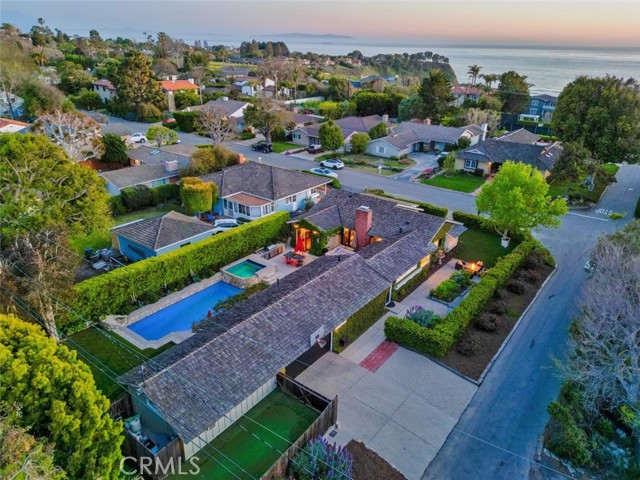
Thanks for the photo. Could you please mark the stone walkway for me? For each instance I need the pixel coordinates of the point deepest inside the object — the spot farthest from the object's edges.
(420, 296)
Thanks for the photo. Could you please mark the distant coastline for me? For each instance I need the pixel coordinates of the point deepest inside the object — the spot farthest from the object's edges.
(310, 36)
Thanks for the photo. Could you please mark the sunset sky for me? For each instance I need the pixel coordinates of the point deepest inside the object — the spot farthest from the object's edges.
(541, 22)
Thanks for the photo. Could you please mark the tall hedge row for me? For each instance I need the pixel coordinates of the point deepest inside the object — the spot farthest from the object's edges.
(118, 292)
(433, 209)
(186, 120)
(437, 340)
(360, 321)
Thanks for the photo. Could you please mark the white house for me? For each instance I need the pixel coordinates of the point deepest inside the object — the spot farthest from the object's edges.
(105, 89)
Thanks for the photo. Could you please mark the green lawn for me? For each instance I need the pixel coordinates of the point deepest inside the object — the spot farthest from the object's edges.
(280, 147)
(462, 182)
(558, 189)
(369, 163)
(279, 413)
(119, 358)
(101, 239)
(474, 245)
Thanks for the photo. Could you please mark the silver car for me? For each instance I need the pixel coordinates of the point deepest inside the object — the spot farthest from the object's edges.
(332, 163)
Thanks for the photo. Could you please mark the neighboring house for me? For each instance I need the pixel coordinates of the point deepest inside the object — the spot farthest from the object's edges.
(310, 134)
(253, 86)
(151, 237)
(233, 109)
(233, 358)
(410, 137)
(152, 175)
(366, 81)
(17, 104)
(301, 120)
(170, 87)
(144, 155)
(540, 108)
(13, 126)
(253, 190)
(233, 71)
(465, 91)
(490, 154)
(105, 89)
(521, 135)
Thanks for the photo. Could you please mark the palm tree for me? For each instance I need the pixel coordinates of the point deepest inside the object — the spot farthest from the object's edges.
(489, 78)
(39, 58)
(474, 73)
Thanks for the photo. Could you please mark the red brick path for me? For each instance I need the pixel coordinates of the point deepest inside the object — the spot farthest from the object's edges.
(380, 355)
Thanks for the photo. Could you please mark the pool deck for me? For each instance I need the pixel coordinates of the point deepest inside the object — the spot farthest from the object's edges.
(119, 323)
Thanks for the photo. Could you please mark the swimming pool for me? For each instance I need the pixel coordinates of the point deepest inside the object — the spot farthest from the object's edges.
(244, 269)
(181, 315)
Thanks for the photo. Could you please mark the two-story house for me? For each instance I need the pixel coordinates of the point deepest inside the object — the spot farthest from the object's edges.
(541, 108)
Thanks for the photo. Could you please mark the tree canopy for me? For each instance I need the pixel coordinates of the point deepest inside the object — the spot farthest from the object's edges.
(513, 91)
(162, 135)
(196, 195)
(378, 131)
(331, 137)
(517, 200)
(135, 83)
(114, 149)
(265, 116)
(603, 115)
(58, 399)
(435, 92)
(40, 187)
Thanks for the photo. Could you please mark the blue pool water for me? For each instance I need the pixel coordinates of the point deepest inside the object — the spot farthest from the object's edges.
(181, 315)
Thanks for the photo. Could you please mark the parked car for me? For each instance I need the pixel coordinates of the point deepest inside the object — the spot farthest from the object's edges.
(138, 137)
(224, 224)
(262, 146)
(332, 163)
(324, 171)
(314, 148)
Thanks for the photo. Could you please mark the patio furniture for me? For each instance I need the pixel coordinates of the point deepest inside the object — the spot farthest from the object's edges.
(293, 259)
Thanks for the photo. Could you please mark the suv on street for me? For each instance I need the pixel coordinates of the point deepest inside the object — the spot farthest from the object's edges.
(332, 163)
(138, 137)
(262, 146)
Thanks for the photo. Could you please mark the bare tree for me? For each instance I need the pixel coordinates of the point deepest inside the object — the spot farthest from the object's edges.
(38, 269)
(15, 70)
(77, 134)
(605, 348)
(213, 121)
(298, 74)
(476, 116)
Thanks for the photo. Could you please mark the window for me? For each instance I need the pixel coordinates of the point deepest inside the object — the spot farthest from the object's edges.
(157, 183)
(291, 199)
(256, 211)
(267, 209)
(532, 111)
(471, 164)
(243, 209)
(534, 103)
(381, 149)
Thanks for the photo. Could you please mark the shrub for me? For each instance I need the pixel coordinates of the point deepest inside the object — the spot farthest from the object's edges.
(423, 317)
(469, 346)
(88, 100)
(360, 321)
(530, 276)
(567, 439)
(478, 172)
(117, 292)
(470, 220)
(321, 461)
(498, 308)
(451, 288)
(196, 195)
(487, 322)
(136, 197)
(278, 134)
(169, 191)
(359, 142)
(433, 210)
(186, 120)
(463, 142)
(146, 112)
(636, 213)
(247, 135)
(531, 262)
(117, 206)
(516, 286)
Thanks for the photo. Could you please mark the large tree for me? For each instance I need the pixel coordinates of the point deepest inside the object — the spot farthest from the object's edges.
(517, 200)
(15, 68)
(135, 84)
(513, 91)
(76, 133)
(40, 187)
(331, 137)
(410, 108)
(40, 97)
(573, 163)
(435, 92)
(197, 196)
(162, 135)
(603, 115)
(214, 122)
(474, 73)
(115, 149)
(476, 116)
(58, 399)
(338, 89)
(265, 116)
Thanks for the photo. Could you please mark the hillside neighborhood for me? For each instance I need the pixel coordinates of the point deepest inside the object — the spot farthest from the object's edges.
(248, 262)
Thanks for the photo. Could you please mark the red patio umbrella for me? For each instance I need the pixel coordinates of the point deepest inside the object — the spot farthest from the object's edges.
(299, 248)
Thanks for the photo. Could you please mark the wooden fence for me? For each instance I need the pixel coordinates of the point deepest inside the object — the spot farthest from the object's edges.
(328, 417)
(121, 408)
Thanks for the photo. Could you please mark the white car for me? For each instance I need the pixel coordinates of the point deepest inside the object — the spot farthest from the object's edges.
(324, 171)
(224, 224)
(138, 137)
(332, 163)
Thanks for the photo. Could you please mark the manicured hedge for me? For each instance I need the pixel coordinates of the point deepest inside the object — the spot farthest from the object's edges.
(360, 321)
(186, 120)
(433, 209)
(119, 291)
(438, 339)
(163, 193)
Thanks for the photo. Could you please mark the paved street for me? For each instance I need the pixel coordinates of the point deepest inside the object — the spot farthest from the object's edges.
(497, 435)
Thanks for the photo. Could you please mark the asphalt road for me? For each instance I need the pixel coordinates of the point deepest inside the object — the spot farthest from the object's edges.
(496, 437)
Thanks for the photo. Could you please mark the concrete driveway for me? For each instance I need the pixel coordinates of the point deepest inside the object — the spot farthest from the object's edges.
(401, 405)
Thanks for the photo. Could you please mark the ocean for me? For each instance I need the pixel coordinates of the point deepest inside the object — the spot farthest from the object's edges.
(548, 69)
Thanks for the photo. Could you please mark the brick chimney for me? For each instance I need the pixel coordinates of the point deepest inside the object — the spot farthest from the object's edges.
(427, 121)
(364, 217)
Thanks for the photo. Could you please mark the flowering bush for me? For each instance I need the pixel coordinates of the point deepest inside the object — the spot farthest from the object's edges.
(321, 460)
(423, 317)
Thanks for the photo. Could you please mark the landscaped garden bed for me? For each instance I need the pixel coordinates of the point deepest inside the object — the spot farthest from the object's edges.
(367, 464)
(453, 287)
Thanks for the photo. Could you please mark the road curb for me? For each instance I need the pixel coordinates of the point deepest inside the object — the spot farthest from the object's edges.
(515, 327)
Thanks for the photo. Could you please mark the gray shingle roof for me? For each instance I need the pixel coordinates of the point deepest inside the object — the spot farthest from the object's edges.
(456, 229)
(348, 125)
(545, 98)
(130, 176)
(264, 181)
(542, 157)
(408, 133)
(158, 232)
(227, 106)
(226, 364)
(117, 128)
(151, 155)
(521, 135)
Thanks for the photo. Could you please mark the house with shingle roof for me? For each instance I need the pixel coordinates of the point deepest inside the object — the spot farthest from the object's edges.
(232, 109)
(13, 126)
(253, 190)
(170, 87)
(410, 137)
(151, 237)
(233, 358)
(148, 155)
(465, 91)
(105, 89)
(310, 134)
(150, 175)
(540, 108)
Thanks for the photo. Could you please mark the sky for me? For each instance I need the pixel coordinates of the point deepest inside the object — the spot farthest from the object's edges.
(468, 22)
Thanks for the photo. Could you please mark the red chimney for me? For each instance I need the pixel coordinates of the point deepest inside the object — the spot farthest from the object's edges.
(364, 217)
